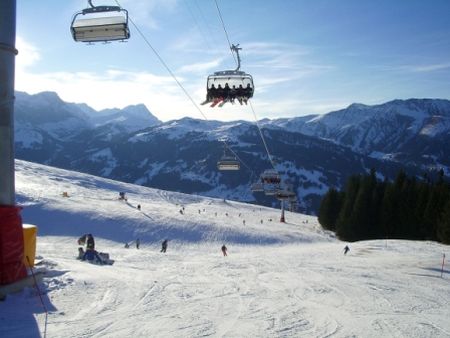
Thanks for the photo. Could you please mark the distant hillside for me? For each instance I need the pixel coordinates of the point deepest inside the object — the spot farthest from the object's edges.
(313, 152)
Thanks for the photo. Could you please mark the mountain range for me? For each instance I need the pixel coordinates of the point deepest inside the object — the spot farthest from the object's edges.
(312, 152)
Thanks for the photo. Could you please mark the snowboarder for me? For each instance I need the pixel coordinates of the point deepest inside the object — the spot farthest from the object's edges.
(164, 246)
(92, 256)
(138, 243)
(224, 250)
(346, 249)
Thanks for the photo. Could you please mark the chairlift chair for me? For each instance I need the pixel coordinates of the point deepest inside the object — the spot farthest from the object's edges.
(100, 24)
(228, 163)
(257, 187)
(284, 194)
(230, 84)
(270, 176)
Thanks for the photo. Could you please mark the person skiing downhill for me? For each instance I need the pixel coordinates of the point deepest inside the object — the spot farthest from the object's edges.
(164, 246)
(346, 249)
(224, 250)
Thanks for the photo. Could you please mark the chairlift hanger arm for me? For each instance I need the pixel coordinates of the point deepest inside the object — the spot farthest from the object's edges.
(94, 9)
(236, 49)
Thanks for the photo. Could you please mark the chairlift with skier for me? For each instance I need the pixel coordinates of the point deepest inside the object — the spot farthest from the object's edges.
(229, 85)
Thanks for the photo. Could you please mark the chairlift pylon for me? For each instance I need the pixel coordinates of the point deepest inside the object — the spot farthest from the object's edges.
(100, 24)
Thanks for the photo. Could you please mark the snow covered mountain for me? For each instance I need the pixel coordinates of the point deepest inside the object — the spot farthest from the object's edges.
(278, 280)
(313, 152)
(413, 131)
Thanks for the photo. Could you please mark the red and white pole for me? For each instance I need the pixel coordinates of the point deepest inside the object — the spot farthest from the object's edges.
(282, 219)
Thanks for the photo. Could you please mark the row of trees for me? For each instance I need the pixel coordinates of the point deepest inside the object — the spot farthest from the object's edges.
(405, 209)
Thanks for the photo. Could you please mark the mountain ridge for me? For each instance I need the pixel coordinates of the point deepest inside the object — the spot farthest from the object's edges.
(314, 152)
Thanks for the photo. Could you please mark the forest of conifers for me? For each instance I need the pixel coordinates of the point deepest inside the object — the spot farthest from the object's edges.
(407, 208)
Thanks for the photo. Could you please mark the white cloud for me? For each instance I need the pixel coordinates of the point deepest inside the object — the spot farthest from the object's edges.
(201, 67)
(28, 54)
(430, 68)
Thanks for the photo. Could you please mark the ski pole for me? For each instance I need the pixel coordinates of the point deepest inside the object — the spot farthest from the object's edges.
(40, 296)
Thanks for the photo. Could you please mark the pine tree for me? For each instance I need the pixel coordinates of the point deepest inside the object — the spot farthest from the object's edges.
(329, 209)
(443, 226)
(345, 227)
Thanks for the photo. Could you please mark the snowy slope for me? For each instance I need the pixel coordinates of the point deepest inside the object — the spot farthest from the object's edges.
(279, 280)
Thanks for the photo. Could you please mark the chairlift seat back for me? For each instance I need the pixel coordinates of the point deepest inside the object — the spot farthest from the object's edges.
(97, 27)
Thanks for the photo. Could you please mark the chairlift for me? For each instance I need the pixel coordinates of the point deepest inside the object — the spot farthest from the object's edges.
(284, 194)
(100, 24)
(270, 176)
(228, 163)
(229, 85)
(257, 187)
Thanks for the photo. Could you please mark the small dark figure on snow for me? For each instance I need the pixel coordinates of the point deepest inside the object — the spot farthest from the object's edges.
(346, 249)
(80, 253)
(139, 207)
(87, 239)
(243, 221)
(127, 245)
(138, 243)
(224, 250)
(181, 211)
(164, 246)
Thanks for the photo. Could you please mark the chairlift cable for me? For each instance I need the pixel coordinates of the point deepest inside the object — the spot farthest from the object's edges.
(176, 80)
(225, 30)
(253, 110)
(262, 136)
(186, 3)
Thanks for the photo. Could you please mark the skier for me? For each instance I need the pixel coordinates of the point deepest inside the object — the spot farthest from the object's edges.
(138, 243)
(164, 246)
(139, 207)
(224, 250)
(346, 249)
(243, 221)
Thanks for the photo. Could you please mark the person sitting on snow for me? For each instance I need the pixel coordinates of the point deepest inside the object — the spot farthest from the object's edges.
(80, 253)
(92, 256)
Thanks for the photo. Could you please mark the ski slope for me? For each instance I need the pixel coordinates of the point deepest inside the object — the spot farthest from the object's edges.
(278, 280)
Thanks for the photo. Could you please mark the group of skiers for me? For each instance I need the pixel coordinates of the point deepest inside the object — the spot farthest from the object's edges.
(91, 255)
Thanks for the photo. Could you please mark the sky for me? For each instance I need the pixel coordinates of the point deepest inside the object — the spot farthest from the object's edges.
(306, 57)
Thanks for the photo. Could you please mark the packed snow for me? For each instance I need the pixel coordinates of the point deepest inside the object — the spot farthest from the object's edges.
(278, 280)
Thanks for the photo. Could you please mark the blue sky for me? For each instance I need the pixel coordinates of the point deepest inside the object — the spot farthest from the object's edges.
(306, 57)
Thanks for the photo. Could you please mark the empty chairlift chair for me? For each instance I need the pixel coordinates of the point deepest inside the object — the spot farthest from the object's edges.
(228, 163)
(100, 24)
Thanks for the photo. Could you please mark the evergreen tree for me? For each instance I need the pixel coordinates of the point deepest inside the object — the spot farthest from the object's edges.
(345, 228)
(329, 209)
(443, 226)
